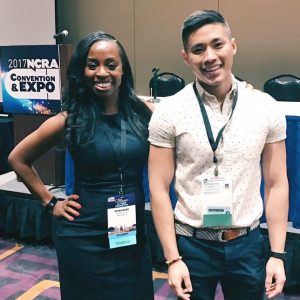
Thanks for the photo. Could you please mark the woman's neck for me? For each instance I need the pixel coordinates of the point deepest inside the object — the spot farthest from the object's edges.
(111, 106)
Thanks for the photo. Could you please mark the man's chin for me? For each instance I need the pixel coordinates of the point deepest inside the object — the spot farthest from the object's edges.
(209, 83)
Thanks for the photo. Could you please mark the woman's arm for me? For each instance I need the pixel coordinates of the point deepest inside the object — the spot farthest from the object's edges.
(31, 148)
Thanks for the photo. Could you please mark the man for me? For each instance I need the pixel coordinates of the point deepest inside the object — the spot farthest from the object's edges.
(215, 135)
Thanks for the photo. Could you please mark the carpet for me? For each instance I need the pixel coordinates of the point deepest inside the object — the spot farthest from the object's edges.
(28, 270)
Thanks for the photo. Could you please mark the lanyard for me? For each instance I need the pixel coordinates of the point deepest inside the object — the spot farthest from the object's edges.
(118, 153)
(213, 143)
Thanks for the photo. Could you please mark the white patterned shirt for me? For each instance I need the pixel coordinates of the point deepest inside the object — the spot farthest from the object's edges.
(177, 123)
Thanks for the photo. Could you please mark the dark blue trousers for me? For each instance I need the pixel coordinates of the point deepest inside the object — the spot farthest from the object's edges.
(238, 265)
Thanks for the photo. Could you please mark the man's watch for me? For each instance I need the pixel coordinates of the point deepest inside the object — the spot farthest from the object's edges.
(50, 205)
(278, 255)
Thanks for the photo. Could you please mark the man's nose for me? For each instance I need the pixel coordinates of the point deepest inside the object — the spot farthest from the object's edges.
(210, 54)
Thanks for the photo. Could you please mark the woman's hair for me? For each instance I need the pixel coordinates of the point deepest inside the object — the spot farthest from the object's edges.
(81, 104)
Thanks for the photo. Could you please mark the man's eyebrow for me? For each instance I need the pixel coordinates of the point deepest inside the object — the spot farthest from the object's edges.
(196, 45)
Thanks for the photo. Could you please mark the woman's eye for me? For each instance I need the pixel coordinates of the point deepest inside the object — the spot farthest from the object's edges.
(91, 65)
(112, 66)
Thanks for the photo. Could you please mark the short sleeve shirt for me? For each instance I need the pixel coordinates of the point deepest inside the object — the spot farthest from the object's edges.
(177, 123)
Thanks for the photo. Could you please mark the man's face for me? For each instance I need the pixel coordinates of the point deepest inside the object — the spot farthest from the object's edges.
(210, 54)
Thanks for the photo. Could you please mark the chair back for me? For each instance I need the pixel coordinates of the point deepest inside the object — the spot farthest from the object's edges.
(165, 84)
(283, 88)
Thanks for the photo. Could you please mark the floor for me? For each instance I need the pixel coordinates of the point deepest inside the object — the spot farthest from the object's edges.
(28, 270)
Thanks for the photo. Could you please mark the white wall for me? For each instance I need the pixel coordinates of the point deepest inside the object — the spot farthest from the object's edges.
(27, 22)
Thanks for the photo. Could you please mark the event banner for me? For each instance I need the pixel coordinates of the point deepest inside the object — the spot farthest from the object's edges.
(30, 79)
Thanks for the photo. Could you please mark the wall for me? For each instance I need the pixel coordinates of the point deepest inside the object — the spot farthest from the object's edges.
(266, 33)
(30, 22)
(268, 38)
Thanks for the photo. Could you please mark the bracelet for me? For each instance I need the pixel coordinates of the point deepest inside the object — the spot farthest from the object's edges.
(279, 255)
(170, 262)
(50, 205)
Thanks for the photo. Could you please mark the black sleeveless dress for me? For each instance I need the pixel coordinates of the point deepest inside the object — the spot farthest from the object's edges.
(88, 269)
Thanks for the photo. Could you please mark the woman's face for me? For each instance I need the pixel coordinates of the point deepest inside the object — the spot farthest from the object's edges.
(103, 70)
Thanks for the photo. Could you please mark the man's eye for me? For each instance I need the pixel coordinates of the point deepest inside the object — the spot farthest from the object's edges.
(197, 50)
(218, 45)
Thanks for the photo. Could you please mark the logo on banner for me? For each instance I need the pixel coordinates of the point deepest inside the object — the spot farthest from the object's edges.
(31, 79)
(41, 81)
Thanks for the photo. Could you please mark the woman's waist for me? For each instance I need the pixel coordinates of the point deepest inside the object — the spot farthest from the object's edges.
(106, 185)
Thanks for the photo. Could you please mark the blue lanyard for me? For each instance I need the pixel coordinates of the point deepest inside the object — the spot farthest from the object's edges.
(118, 153)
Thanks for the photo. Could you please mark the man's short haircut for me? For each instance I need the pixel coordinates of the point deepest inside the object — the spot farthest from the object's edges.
(197, 20)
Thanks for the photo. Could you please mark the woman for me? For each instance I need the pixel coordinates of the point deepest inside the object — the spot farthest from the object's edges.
(105, 127)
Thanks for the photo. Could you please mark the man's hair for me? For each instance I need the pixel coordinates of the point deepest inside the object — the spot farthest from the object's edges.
(197, 20)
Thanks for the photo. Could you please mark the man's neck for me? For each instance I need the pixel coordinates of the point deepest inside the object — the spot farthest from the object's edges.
(219, 91)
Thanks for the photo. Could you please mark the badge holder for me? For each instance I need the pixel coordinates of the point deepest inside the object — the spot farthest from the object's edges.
(217, 202)
(121, 219)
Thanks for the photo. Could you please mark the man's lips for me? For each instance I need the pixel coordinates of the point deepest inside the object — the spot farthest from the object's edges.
(211, 69)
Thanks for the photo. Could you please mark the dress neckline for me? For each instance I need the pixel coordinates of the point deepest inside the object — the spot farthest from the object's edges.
(111, 115)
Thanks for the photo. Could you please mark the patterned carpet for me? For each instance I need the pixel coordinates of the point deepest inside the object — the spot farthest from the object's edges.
(29, 271)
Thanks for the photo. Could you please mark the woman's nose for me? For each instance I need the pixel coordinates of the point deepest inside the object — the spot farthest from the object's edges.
(101, 71)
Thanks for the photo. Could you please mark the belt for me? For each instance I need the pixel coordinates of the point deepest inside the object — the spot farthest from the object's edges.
(220, 235)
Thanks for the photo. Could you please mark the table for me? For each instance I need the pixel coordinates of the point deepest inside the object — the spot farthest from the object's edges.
(293, 168)
(21, 215)
(6, 142)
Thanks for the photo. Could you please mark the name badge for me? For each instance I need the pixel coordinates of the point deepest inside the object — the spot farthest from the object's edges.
(121, 221)
(217, 201)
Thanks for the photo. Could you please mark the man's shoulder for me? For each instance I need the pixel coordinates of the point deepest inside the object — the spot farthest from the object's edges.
(254, 95)
(180, 98)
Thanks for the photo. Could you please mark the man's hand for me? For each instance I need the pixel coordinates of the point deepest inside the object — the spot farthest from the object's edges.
(275, 277)
(179, 280)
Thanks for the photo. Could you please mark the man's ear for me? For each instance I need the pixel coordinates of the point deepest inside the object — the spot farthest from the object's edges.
(234, 46)
(185, 57)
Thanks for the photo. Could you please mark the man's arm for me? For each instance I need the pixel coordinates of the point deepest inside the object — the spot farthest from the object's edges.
(161, 172)
(276, 210)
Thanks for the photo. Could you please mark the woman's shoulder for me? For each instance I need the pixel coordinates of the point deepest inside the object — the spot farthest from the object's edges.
(54, 124)
(149, 104)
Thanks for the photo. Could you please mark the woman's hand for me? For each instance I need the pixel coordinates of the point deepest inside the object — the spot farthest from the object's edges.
(68, 208)
(248, 86)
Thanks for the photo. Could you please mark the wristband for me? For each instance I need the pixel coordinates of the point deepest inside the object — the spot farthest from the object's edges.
(170, 262)
(50, 205)
(278, 255)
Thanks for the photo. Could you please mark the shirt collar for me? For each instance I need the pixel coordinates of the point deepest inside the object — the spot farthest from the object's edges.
(207, 96)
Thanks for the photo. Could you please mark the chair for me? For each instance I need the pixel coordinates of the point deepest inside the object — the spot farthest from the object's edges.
(283, 88)
(165, 84)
